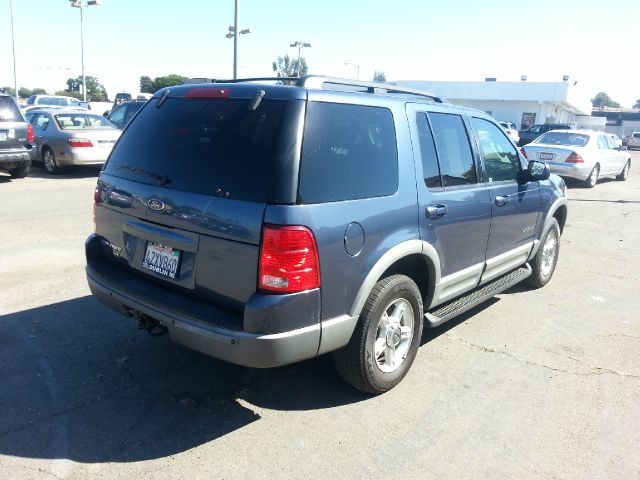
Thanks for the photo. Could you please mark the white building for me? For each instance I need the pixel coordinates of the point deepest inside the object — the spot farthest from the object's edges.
(523, 103)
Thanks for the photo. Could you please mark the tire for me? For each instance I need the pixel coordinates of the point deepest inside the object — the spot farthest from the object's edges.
(624, 174)
(386, 338)
(20, 172)
(546, 259)
(49, 162)
(592, 180)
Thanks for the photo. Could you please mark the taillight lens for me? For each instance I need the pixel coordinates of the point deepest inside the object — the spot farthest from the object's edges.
(80, 142)
(523, 152)
(219, 93)
(30, 135)
(288, 259)
(574, 158)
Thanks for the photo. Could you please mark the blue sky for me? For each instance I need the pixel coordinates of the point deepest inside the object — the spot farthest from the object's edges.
(593, 42)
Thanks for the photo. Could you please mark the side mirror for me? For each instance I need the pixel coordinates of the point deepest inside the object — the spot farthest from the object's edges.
(538, 170)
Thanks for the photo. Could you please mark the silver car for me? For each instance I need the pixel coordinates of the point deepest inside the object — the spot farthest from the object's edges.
(633, 141)
(71, 136)
(580, 154)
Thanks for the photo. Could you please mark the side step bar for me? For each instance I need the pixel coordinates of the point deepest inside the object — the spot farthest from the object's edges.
(462, 304)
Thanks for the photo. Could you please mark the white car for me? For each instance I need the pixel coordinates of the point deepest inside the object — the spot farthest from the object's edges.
(633, 141)
(511, 130)
(580, 154)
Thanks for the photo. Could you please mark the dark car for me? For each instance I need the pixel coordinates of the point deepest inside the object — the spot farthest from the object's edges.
(124, 112)
(266, 224)
(16, 139)
(531, 133)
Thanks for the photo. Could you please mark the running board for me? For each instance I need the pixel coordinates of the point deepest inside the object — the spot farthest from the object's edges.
(462, 304)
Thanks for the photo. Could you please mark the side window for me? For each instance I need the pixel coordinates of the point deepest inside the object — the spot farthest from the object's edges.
(454, 150)
(602, 143)
(41, 121)
(501, 159)
(348, 152)
(117, 116)
(430, 167)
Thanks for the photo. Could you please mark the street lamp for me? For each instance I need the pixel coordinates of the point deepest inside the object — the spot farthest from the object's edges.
(78, 4)
(300, 44)
(13, 46)
(354, 65)
(233, 33)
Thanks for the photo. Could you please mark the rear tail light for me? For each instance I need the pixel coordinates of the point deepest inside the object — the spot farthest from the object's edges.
(523, 152)
(80, 142)
(221, 93)
(30, 135)
(288, 259)
(574, 158)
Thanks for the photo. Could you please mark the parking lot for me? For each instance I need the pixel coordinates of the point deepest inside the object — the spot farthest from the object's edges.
(538, 384)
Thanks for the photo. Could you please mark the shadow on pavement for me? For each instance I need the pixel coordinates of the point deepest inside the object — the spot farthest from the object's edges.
(81, 383)
(79, 171)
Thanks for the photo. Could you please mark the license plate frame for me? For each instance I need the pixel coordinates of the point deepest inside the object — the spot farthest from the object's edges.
(162, 259)
(547, 156)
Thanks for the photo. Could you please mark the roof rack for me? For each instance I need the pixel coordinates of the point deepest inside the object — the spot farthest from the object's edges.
(334, 83)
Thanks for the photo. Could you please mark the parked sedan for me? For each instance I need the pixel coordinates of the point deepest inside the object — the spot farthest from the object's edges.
(70, 136)
(633, 141)
(580, 154)
(511, 130)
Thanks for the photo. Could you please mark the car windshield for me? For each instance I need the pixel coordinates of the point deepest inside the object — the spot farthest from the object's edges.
(562, 138)
(636, 135)
(8, 111)
(82, 121)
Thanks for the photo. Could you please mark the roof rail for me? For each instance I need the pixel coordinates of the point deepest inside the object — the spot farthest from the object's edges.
(318, 81)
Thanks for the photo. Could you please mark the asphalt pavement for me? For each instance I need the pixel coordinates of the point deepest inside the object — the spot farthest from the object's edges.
(534, 384)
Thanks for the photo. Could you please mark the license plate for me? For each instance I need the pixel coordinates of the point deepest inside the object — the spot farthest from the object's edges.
(162, 259)
(546, 156)
(106, 143)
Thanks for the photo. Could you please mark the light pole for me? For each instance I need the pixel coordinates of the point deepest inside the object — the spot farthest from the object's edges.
(13, 46)
(354, 65)
(78, 4)
(233, 33)
(300, 44)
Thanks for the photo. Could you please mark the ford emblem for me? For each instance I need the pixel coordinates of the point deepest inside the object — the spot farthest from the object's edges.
(155, 204)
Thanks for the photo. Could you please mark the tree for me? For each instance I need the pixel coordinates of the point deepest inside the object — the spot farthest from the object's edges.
(637, 104)
(288, 67)
(95, 90)
(379, 76)
(24, 92)
(166, 81)
(603, 100)
(146, 85)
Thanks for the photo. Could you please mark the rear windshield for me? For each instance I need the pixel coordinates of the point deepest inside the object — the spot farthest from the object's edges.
(566, 139)
(212, 147)
(82, 121)
(9, 112)
(636, 134)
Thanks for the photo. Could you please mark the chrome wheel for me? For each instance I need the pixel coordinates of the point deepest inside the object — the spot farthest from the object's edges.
(593, 177)
(394, 335)
(549, 252)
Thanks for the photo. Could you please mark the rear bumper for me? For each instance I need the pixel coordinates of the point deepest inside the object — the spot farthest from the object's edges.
(84, 156)
(10, 160)
(577, 171)
(216, 332)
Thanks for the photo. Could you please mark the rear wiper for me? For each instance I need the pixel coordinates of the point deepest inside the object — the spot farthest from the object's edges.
(159, 179)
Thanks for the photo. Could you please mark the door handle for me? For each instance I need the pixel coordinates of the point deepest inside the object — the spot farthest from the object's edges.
(436, 211)
(502, 200)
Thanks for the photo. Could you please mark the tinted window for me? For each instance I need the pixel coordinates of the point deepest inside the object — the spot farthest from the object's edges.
(561, 138)
(454, 149)
(205, 146)
(82, 121)
(636, 135)
(348, 152)
(501, 160)
(9, 111)
(430, 168)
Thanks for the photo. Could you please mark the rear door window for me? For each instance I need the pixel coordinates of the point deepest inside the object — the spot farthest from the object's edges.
(454, 150)
(348, 152)
(212, 147)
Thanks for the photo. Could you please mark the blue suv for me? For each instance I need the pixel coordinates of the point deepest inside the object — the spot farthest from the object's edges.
(264, 224)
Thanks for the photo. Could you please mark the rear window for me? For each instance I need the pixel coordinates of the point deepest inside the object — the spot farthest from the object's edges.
(9, 111)
(565, 139)
(212, 147)
(81, 121)
(636, 134)
(348, 152)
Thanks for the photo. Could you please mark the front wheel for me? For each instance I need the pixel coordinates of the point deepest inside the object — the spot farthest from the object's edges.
(625, 172)
(544, 263)
(386, 338)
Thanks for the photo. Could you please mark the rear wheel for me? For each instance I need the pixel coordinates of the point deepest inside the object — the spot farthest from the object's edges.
(20, 172)
(624, 174)
(386, 338)
(544, 263)
(49, 161)
(591, 181)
